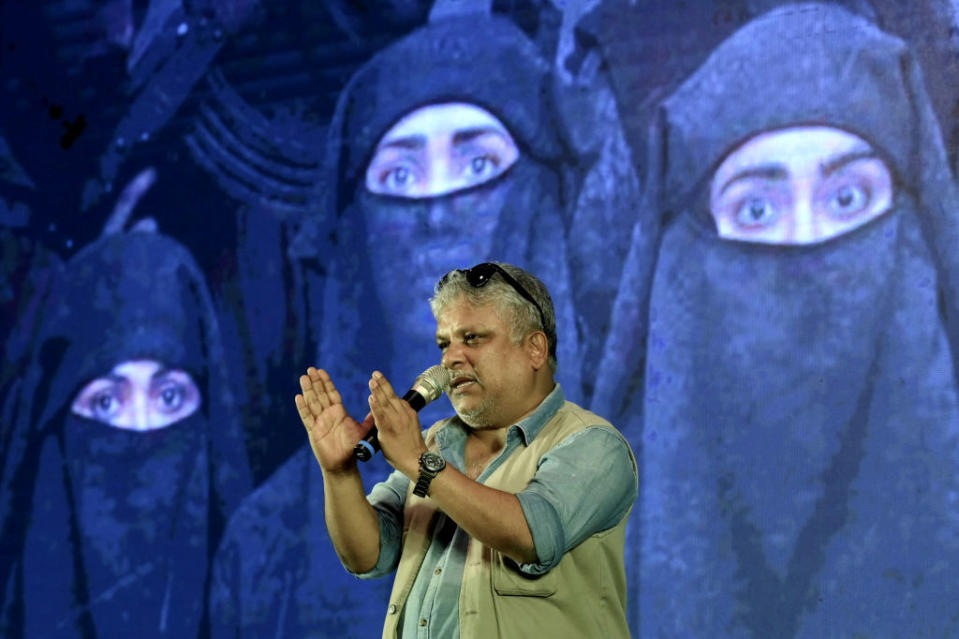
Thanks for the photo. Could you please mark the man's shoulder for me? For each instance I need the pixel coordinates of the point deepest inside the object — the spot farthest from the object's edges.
(572, 423)
(579, 416)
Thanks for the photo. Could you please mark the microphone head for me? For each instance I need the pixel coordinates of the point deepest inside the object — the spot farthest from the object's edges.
(432, 382)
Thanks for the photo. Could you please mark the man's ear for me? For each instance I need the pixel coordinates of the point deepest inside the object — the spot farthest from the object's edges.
(537, 347)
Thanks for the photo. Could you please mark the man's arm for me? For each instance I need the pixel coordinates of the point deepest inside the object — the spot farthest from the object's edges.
(491, 516)
(583, 486)
(351, 520)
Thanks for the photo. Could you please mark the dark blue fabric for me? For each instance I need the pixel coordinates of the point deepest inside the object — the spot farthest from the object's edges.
(109, 532)
(276, 573)
(364, 275)
(796, 407)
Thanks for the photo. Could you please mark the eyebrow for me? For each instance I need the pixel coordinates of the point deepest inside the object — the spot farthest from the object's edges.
(467, 135)
(832, 165)
(161, 373)
(763, 171)
(409, 142)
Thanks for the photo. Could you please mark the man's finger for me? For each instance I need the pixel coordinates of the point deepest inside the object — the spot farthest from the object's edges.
(382, 382)
(306, 385)
(382, 389)
(329, 389)
(306, 415)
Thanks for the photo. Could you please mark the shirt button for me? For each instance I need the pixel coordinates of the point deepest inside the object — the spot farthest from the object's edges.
(437, 571)
(422, 622)
(392, 609)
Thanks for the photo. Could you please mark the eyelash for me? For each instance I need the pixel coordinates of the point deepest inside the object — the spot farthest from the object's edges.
(467, 339)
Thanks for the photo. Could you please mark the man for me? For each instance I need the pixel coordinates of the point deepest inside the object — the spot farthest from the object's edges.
(506, 520)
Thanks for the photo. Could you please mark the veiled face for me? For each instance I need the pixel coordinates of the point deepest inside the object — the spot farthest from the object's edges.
(799, 185)
(440, 149)
(139, 395)
(429, 158)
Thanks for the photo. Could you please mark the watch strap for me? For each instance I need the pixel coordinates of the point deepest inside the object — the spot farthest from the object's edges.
(426, 476)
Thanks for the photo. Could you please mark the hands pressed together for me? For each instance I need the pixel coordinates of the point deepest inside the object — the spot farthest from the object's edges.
(333, 433)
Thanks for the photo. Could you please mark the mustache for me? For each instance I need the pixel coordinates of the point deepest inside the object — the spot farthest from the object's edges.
(458, 377)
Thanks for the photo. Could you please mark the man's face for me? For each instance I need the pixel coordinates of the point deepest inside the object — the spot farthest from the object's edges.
(440, 149)
(799, 185)
(139, 395)
(490, 373)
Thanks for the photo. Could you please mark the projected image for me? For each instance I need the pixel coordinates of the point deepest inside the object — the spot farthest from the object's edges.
(116, 487)
(139, 395)
(745, 211)
(800, 185)
(789, 342)
(483, 163)
(440, 149)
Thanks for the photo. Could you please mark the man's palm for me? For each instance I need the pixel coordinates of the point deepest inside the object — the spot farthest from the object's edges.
(333, 433)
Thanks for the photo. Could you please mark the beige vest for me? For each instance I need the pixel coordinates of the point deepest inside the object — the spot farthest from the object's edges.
(583, 596)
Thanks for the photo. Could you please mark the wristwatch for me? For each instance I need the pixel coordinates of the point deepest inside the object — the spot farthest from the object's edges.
(431, 463)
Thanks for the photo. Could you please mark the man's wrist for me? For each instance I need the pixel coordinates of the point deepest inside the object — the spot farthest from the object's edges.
(431, 464)
(347, 469)
(412, 465)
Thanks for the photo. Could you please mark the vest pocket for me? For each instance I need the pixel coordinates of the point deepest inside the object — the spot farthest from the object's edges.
(508, 580)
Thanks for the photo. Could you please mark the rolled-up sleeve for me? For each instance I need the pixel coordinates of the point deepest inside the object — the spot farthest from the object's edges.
(388, 498)
(583, 486)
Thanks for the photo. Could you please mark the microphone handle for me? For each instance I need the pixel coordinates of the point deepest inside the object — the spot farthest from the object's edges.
(370, 444)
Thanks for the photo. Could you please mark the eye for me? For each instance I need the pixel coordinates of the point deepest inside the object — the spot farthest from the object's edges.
(756, 212)
(442, 345)
(170, 397)
(847, 200)
(482, 166)
(399, 178)
(103, 399)
(104, 405)
(470, 338)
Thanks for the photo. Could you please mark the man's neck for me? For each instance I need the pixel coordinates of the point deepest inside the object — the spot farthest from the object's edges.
(493, 438)
(490, 440)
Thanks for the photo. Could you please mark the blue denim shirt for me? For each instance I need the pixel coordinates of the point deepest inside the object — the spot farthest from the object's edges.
(584, 485)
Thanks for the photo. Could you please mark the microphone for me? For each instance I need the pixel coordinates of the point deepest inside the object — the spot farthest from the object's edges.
(428, 386)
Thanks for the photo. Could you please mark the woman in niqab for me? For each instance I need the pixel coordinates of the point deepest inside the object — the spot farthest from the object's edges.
(793, 388)
(380, 262)
(110, 515)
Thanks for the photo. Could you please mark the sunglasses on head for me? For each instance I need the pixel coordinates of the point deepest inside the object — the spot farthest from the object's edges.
(480, 275)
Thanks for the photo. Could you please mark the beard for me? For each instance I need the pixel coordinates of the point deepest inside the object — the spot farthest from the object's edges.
(479, 416)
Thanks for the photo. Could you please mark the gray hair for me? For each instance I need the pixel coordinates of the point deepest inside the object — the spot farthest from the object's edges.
(522, 316)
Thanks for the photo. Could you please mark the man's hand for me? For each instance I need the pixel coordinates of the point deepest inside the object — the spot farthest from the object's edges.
(333, 433)
(400, 433)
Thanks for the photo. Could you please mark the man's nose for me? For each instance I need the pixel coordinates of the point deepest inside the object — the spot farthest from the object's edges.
(452, 356)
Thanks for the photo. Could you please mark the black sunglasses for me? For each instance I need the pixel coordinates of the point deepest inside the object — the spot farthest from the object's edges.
(480, 275)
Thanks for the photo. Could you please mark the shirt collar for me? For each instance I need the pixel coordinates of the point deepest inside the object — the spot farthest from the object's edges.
(528, 427)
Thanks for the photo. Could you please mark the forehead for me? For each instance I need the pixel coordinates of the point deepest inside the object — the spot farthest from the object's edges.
(793, 146)
(442, 120)
(137, 369)
(461, 314)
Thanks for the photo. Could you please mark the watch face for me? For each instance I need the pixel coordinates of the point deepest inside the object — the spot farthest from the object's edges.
(432, 462)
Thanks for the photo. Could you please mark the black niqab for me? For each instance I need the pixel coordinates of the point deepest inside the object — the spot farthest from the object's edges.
(442, 62)
(107, 531)
(796, 406)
